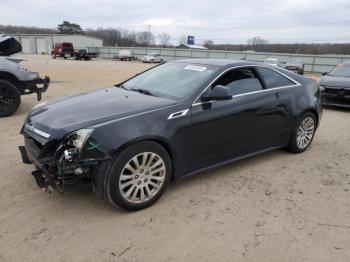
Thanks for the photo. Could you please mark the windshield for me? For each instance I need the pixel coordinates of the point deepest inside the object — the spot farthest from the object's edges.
(341, 70)
(171, 80)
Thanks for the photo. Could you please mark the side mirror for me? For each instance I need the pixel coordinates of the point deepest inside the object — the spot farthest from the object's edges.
(324, 73)
(218, 92)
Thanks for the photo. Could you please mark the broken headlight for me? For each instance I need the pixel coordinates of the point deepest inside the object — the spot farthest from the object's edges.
(76, 143)
(80, 137)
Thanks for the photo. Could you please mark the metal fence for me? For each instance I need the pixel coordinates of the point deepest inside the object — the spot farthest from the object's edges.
(313, 63)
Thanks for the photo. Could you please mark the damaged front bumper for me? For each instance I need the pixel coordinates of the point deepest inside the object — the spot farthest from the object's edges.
(38, 86)
(59, 168)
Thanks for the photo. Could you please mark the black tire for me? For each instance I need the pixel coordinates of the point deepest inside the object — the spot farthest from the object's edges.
(53, 56)
(293, 142)
(114, 194)
(161, 61)
(10, 98)
(151, 61)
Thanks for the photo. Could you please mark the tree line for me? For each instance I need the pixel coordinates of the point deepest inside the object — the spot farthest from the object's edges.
(122, 37)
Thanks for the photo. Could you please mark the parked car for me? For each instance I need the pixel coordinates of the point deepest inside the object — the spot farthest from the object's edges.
(66, 50)
(173, 120)
(295, 66)
(153, 58)
(15, 80)
(335, 86)
(125, 55)
(272, 61)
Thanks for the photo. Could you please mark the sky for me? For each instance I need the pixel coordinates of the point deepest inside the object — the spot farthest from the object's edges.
(223, 21)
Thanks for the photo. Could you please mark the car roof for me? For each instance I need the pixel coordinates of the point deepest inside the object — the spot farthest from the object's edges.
(217, 62)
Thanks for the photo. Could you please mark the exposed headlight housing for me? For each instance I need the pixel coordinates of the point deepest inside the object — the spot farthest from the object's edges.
(80, 137)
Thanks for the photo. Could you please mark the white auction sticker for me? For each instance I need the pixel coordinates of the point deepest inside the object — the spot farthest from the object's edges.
(195, 68)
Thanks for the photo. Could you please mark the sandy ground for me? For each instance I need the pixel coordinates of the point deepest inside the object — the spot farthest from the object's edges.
(273, 207)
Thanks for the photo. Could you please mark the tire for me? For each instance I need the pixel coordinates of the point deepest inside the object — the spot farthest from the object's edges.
(10, 98)
(303, 134)
(151, 61)
(53, 56)
(161, 61)
(127, 184)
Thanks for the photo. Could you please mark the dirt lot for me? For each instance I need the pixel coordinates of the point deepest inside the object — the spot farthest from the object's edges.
(274, 207)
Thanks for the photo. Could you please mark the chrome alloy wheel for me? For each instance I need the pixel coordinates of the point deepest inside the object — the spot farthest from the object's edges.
(305, 132)
(142, 177)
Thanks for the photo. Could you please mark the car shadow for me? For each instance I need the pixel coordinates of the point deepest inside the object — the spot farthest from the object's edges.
(86, 202)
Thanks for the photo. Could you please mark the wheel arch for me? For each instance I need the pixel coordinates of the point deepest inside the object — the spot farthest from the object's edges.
(314, 112)
(166, 144)
(9, 77)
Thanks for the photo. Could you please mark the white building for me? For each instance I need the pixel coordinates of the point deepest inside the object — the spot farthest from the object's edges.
(42, 43)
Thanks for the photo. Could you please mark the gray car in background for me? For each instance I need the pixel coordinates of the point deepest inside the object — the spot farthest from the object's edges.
(294, 65)
(153, 58)
(15, 80)
(335, 86)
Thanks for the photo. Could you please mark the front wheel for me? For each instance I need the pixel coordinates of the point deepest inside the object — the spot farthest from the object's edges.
(10, 98)
(139, 176)
(304, 133)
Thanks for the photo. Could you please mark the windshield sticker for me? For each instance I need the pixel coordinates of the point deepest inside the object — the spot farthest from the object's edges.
(195, 68)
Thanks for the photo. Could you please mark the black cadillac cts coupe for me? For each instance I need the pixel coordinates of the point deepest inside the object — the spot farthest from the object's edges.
(128, 141)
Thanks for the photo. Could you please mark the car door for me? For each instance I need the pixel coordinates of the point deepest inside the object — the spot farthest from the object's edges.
(226, 129)
(284, 89)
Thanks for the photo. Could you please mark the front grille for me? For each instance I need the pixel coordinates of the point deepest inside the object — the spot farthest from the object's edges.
(336, 96)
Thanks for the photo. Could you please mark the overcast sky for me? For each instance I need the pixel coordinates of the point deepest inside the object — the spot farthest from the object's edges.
(219, 20)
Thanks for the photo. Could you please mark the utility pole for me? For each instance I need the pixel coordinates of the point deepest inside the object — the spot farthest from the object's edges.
(149, 34)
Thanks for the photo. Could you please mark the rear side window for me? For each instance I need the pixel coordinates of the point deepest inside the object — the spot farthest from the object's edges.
(240, 81)
(273, 79)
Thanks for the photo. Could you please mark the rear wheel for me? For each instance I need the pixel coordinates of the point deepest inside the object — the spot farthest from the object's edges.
(303, 135)
(10, 98)
(139, 176)
(152, 61)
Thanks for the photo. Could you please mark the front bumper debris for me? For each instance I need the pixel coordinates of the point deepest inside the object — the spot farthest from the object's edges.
(53, 172)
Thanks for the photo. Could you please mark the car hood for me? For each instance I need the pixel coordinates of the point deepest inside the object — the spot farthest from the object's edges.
(9, 46)
(63, 116)
(341, 82)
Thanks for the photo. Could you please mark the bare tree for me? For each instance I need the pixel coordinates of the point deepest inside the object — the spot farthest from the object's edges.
(145, 38)
(183, 40)
(164, 39)
(208, 43)
(257, 40)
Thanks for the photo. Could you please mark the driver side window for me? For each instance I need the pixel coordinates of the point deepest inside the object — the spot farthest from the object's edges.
(240, 81)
